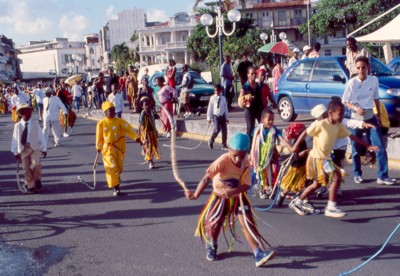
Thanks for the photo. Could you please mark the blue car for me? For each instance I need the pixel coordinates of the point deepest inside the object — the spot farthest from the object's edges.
(394, 64)
(309, 82)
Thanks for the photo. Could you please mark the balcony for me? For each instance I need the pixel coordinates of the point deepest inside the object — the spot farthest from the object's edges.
(297, 21)
(174, 45)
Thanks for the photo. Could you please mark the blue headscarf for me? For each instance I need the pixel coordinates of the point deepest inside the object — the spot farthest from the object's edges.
(239, 141)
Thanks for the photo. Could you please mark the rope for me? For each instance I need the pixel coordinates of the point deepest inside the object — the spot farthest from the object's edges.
(196, 147)
(19, 181)
(173, 152)
(373, 256)
(80, 180)
(285, 165)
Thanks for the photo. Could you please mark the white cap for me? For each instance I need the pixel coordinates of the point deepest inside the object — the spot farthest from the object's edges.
(318, 110)
(296, 50)
(306, 48)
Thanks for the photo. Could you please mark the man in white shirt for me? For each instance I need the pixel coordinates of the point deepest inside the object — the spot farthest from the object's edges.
(218, 112)
(116, 98)
(18, 98)
(39, 95)
(77, 94)
(295, 56)
(52, 105)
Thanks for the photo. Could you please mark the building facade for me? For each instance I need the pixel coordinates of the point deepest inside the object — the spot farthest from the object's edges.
(49, 59)
(9, 65)
(94, 57)
(160, 42)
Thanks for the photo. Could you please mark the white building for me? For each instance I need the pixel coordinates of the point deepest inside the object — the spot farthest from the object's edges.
(94, 60)
(121, 29)
(46, 59)
(160, 42)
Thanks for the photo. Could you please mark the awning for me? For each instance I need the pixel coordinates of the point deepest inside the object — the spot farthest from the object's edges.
(387, 34)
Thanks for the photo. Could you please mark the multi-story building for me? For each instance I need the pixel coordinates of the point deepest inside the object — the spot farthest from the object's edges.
(158, 42)
(47, 59)
(9, 65)
(94, 60)
(287, 16)
(121, 30)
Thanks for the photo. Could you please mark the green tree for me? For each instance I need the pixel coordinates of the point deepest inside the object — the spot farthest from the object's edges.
(339, 15)
(121, 54)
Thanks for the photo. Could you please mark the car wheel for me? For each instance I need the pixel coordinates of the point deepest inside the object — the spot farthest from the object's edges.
(286, 110)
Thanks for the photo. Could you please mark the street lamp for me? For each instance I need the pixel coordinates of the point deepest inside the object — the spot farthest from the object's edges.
(77, 59)
(282, 36)
(207, 20)
(263, 37)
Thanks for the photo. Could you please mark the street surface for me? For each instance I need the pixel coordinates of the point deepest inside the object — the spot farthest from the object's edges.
(70, 230)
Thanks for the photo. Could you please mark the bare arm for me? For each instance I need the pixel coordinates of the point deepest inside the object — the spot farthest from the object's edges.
(361, 142)
(200, 188)
(301, 138)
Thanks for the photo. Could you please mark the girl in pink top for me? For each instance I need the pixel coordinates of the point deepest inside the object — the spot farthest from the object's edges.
(165, 94)
(276, 74)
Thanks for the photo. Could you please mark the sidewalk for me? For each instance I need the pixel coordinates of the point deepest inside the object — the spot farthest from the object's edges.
(197, 128)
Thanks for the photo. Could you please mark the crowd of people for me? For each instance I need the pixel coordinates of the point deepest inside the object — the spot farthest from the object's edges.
(252, 158)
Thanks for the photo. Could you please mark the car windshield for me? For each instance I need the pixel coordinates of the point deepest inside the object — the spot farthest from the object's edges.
(379, 69)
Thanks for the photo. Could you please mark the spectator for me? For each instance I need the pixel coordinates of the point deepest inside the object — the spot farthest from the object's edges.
(306, 52)
(353, 52)
(227, 78)
(186, 87)
(315, 51)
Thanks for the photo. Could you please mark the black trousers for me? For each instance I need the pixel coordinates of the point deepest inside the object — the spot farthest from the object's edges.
(220, 125)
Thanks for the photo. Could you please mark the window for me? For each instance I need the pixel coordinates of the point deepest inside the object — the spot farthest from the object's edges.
(298, 13)
(325, 69)
(281, 18)
(265, 14)
(301, 72)
(67, 58)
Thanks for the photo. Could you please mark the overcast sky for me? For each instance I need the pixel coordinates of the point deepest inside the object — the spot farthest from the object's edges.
(26, 20)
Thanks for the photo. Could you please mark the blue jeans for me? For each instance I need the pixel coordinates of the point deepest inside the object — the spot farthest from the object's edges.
(375, 136)
(77, 102)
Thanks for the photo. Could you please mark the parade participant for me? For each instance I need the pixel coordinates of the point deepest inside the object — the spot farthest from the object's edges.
(263, 154)
(218, 113)
(171, 72)
(265, 91)
(148, 132)
(3, 103)
(66, 98)
(99, 89)
(250, 98)
(352, 53)
(77, 91)
(276, 74)
(186, 88)
(243, 68)
(39, 95)
(295, 56)
(121, 85)
(360, 96)
(231, 178)
(111, 79)
(227, 78)
(17, 99)
(166, 95)
(116, 98)
(146, 91)
(145, 75)
(111, 142)
(132, 88)
(27, 144)
(52, 106)
(295, 178)
(306, 52)
(315, 52)
(319, 167)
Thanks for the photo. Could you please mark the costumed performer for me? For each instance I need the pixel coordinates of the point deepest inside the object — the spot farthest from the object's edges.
(231, 178)
(111, 141)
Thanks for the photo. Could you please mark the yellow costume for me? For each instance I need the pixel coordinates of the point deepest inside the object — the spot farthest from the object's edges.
(110, 139)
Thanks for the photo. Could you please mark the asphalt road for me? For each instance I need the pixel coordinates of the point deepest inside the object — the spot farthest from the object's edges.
(71, 230)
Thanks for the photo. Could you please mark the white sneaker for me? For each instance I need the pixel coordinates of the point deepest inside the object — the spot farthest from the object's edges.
(334, 212)
(65, 134)
(151, 164)
(168, 135)
(358, 179)
(385, 181)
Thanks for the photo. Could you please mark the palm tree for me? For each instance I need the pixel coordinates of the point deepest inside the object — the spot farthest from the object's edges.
(120, 53)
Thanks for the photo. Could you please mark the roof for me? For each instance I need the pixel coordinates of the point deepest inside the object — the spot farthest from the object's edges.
(388, 33)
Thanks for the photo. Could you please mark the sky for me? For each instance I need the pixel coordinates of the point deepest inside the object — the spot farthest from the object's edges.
(32, 20)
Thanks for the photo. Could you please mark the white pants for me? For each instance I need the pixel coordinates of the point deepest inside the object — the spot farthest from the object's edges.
(55, 128)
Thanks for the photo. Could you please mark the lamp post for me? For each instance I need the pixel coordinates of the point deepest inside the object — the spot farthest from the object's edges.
(207, 20)
(77, 59)
(263, 37)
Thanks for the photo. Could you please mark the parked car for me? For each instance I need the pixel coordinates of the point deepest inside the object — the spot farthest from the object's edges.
(200, 94)
(394, 64)
(314, 81)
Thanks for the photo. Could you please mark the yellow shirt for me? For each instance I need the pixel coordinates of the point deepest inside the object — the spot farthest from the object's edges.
(384, 115)
(325, 135)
